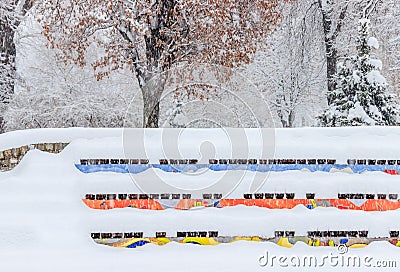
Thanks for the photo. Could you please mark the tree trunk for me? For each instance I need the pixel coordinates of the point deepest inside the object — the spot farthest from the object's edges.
(288, 121)
(283, 122)
(151, 113)
(330, 48)
(2, 128)
(7, 67)
(330, 34)
(291, 118)
(331, 63)
(151, 93)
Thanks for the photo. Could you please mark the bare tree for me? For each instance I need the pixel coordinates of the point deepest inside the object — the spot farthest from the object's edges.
(385, 19)
(51, 94)
(289, 70)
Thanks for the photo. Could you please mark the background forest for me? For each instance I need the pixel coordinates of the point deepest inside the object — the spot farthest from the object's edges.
(302, 63)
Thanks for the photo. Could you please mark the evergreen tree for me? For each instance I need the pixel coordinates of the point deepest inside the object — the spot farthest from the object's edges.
(360, 96)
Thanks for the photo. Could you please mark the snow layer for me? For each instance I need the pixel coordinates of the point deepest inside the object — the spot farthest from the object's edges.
(376, 63)
(373, 42)
(335, 143)
(359, 112)
(375, 77)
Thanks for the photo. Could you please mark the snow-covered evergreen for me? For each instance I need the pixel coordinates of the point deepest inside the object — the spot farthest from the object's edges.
(361, 96)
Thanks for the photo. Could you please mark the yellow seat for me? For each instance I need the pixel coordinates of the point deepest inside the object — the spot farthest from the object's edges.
(284, 241)
(240, 238)
(205, 241)
(358, 246)
(160, 241)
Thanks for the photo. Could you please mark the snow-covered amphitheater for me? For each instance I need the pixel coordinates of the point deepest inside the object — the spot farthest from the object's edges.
(201, 199)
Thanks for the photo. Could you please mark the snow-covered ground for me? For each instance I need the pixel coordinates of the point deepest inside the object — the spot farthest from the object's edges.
(44, 225)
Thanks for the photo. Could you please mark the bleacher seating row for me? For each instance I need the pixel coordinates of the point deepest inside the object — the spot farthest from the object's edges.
(239, 161)
(341, 233)
(166, 196)
(129, 235)
(368, 196)
(213, 233)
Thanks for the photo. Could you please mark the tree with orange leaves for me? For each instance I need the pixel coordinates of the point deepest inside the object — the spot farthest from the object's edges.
(152, 36)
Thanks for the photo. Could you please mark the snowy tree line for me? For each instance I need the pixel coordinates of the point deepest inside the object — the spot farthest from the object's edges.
(293, 59)
(300, 70)
(11, 15)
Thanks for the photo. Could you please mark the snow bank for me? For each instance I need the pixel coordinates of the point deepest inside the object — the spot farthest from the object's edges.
(51, 135)
(335, 143)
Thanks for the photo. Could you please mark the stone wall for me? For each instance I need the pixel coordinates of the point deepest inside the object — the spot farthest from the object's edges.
(11, 157)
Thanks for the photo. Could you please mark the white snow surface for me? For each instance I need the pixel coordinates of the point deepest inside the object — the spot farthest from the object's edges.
(376, 63)
(376, 77)
(356, 76)
(44, 226)
(373, 42)
(359, 112)
(338, 143)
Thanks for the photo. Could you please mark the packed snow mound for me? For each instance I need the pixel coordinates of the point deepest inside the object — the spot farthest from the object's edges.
(52, 135)
(154, 144)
